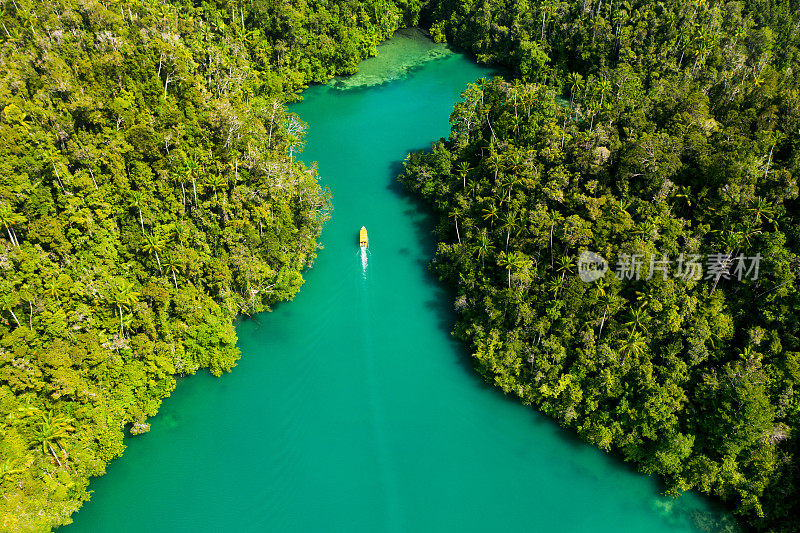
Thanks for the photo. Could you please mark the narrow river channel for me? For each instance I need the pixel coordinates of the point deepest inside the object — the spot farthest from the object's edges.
(352, 408)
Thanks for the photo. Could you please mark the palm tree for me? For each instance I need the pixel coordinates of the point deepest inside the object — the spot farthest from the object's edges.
(247, 37)
(49, 430)
(463, 169)
(603, 87)
(575, 82)
(761, 209)
(547, 71)
(549, 8)
(135, 199)
(619, 18)
(172, 265)
(554, 285)
(510, 224)
(217, 182)
(179, 232)
(685, 192)
(495, 162)
(123, 296)
(516, 122)
(634, 344)
(153, 245)
(505, 261)
(295, 129)
(205, 32)
(739, 34)
(279, 48)
(28, 18)
(637, 320)
(192, 169)
(514, 162)
(511, 261)
(454, 214)
(473, 189)
(700, 55)
(553, 217)
(646, 230)
(599, 288)
(684, 35)
(164, 13)
(607, 301)
(646, 298)
(8, 218)
(565, 265)
(491, 214)
(503, 189)
(513, 165)
(484, 245)
(53, 288)
(26, 293)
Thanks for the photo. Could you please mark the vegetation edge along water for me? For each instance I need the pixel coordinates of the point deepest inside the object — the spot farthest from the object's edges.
(150, 194)
(679, 140)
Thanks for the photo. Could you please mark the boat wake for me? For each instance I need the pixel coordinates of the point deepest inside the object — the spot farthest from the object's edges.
(364, 260)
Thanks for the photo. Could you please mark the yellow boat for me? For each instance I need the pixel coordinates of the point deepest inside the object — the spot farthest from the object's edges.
(363, 241)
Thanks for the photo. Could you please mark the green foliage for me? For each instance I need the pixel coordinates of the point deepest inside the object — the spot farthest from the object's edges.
(149, 194)
(633, 128)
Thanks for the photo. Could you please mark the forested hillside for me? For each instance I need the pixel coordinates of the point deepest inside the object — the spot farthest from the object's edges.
(634, 129)
(149, 194)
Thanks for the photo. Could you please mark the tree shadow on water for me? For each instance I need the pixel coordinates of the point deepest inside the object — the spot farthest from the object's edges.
(714, 516)
(423, 221)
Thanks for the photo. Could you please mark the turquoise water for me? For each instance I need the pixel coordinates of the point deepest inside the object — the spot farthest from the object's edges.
(352, 408)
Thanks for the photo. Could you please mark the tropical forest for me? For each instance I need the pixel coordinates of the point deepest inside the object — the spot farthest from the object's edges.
(611, 221)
